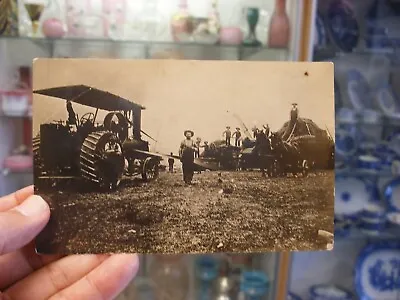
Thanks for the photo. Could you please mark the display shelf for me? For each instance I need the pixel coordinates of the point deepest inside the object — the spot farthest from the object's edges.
(75, 47)
(323, 54)
(349, 47)
(268, 264)
(15, 181)
(359, 235)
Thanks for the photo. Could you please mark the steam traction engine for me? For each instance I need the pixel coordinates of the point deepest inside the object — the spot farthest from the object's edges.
(100, 153)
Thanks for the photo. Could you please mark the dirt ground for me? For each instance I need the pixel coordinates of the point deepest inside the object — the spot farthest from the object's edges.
(250, 214)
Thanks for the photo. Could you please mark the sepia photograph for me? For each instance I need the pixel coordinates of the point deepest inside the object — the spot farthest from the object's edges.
(179, 156)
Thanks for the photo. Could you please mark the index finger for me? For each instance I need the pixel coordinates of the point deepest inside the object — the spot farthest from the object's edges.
(12, 200)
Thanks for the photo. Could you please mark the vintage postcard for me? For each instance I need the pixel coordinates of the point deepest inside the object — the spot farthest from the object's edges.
(180, 156)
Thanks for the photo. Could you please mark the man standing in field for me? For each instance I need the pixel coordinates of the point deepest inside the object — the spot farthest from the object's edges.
(238, 137)
(171, 162)
(186, 153)
(227, 134)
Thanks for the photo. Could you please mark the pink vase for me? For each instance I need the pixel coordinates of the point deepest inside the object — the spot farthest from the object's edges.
(53, 28)
(231, 36)
(279, 29)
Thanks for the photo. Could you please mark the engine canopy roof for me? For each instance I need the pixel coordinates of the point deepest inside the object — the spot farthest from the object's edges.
(90, 96)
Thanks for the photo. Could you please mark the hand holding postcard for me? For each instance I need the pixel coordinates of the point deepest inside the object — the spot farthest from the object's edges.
(175, 156)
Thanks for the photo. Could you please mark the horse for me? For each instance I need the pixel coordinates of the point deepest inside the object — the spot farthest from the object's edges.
(287, 154)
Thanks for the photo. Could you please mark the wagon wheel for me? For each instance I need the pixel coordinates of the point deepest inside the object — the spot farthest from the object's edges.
(305, 168)
(151, 169)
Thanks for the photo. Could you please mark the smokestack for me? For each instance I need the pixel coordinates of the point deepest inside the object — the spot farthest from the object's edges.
(136, 119)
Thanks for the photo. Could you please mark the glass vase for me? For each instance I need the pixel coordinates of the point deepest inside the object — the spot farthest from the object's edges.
(252, 16)
(279, 29)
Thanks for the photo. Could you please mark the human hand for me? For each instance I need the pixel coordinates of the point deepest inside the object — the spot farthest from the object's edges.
(27, 275)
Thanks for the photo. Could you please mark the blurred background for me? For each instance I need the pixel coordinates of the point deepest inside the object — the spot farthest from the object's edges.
(361, 37)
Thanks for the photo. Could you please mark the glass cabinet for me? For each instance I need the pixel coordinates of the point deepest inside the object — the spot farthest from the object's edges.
(361, 39)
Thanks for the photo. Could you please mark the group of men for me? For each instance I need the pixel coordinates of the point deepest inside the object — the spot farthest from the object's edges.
(190, 149)
(228, 135)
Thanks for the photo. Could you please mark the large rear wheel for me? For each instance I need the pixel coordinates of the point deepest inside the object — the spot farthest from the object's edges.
(101, 159)
(37, 162)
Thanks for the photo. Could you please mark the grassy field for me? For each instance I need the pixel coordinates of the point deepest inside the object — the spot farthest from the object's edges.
(255, 215)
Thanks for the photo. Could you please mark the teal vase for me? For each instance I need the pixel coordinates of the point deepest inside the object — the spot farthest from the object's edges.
(252, 15)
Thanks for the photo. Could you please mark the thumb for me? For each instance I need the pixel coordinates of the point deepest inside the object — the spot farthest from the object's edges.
(20, 225)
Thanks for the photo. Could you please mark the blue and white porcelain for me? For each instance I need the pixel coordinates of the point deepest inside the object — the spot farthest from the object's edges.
(393, 218)
(388, 158)
(392, 195)
(345, 146)
(374, 192)
(394, 143)
(292, 296)
(342, 25)
(373, 212)
(342, 227)
(329, 292)
(387, 101)
(351, 195)
(338, 96)
(373, 218)
(371, 128)
(373, 229)
(358, 90)
(368, 164)
(320, 39)
(377, 271)
(347, 119)
(395, 167)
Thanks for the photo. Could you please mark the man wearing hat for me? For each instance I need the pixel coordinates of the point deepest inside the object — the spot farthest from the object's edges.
(255, 131)
(197, 150)
(227, 134)
(186, 152)
(237, 134)
(206, 150)
(294, 113)
(266, 130)
(171, 162)
(71, 114)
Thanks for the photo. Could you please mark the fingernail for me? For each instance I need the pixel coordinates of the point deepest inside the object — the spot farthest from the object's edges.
(33, 206)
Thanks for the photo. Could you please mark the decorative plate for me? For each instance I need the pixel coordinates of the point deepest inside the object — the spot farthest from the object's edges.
(358, 90)
(392, 195)
(387, 101)
(345, 145)
(329, 292)
(351, 195)
(343, 26)
(320, 37)
(377, 272)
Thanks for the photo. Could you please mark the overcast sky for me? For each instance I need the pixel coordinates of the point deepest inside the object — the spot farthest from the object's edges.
(199, 95)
